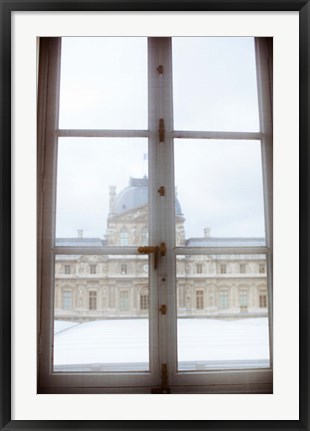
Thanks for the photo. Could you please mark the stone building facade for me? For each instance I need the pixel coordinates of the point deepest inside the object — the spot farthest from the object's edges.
(116, 286)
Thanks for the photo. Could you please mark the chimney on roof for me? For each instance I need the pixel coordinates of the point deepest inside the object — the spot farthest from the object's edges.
(80, 233)
(206, 232)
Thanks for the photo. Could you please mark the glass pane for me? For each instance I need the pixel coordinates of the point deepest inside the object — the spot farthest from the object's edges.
(103, 83)
(101, 313)
(220, 189)
(222, 312)
(102, 192)
(214, 83)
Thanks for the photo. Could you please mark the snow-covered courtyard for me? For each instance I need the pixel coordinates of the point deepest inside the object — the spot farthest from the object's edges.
(123, 344)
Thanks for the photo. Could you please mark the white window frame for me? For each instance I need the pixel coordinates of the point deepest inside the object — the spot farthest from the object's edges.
(163, 328)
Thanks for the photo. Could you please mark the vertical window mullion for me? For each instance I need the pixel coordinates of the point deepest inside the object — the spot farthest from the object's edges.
(163, 212)
(168, 223)
(154, 210)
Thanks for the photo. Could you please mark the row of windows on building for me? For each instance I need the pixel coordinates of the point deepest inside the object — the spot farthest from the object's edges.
(92, 300)
(199, 269)
(93, 269)
(144, 299)
(223, 268)
(224, 300)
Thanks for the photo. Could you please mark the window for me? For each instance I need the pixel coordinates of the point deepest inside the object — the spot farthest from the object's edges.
(124, 300)
(199, 299)
(93, 269)
(173, 104)
(224, 298)
(144, 299)
(123, 236)
(123, 268)
(223, 269)
(261, 268)
(262, 300)
(67, 269)
(92, 303)
(243, 298)
(67, 300)
(242, 268)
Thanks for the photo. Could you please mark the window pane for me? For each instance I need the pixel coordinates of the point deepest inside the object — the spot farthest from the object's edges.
(103, 83)
(101, 319)
(214, 83)
(222, 317)
(102, 186)
(220, 188)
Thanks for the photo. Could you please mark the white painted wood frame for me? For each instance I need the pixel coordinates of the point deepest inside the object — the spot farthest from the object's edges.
(162, 282)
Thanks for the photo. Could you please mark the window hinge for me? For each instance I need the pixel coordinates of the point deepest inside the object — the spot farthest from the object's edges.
(161, 130)
(163, 309)
(160, 69)
(161, 191)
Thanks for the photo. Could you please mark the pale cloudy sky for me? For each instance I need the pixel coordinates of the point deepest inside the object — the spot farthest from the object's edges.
(104, 86)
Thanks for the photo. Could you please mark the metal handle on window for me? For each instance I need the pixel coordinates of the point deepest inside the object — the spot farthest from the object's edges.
(158, 249)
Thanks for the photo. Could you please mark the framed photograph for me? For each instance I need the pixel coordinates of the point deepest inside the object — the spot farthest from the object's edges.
(154, 215)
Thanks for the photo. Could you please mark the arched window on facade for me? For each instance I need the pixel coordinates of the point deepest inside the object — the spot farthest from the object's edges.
(243, 299)
(224, 301)
(144, 299)
(262, 296)
(67, 299)
(123, 236)
(199, 299)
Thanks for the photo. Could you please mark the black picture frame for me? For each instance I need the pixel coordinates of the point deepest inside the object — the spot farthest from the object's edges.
(9, 6)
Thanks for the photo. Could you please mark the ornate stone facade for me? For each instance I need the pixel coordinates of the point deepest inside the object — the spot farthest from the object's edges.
(115, 286)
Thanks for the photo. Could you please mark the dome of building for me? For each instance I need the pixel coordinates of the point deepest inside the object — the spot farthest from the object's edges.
(134, 196)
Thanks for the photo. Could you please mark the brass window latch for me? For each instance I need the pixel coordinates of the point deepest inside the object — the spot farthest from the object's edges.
(160, 69)
(156, 250)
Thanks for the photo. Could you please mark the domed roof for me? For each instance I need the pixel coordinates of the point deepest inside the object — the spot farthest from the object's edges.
(135, 195)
